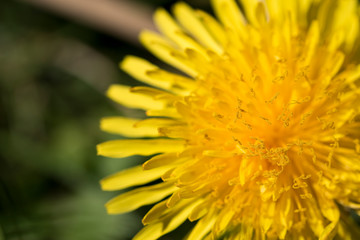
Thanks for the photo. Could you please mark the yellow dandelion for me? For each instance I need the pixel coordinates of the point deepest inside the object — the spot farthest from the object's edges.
(258, 136)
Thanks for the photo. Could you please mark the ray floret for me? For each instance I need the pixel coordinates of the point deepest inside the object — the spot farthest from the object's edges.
(258, 136)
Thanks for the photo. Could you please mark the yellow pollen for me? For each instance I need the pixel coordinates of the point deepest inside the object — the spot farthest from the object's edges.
(258, 137)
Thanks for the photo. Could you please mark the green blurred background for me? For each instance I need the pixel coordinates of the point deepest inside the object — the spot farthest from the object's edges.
(54, 70)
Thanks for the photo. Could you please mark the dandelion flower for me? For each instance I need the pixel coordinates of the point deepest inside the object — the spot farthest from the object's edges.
(257, 135)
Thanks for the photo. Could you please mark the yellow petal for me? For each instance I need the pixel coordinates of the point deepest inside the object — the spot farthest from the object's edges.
(351, 75)
(327, 206)
(213, 26)
(167, 223)
(166, 24)
(155, 212)
(314, 216)
(178, 81)
(298, 10)
(131, 177)
(122, 94)
(312, 41)
(335, 16)
(163, 160)
(137, 67)
(156, 94)
(334, 66)
(170, 29)
(166, 112)
(256, 11)
(127, 147)
(200, 210)
(163, 50)
(202, 227)
(127, 127)
(187, 17)
(352, 33)
(223, 220)
(230, 15)
(285, 210)
(134, 199)
(218, 153)
(267, 215)
(329, 231)
(335, 41)
(151, 74)
(158, 122)
(175, 198)
(175, 131)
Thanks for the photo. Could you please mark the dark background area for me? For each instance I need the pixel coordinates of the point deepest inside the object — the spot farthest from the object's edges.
(54, 72)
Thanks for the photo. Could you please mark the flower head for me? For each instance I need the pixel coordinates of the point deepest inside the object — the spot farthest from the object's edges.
(258, 136)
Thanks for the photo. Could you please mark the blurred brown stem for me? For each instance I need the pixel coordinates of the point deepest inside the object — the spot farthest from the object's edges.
(121, 18)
